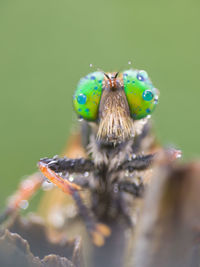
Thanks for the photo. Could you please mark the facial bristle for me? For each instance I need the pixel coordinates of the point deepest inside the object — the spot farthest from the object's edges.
(115, 123)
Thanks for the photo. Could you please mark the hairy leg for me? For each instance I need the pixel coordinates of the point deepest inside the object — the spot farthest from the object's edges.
(79, 165)
(97, 231)
(137, 163)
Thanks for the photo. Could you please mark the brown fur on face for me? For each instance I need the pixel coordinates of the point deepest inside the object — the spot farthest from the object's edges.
(115, 123)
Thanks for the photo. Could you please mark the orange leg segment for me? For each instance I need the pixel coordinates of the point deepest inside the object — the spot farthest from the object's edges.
(20, 198)
(26, 190)
(66, 186)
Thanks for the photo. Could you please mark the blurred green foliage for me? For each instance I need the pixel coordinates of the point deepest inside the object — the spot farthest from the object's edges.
(47, 45)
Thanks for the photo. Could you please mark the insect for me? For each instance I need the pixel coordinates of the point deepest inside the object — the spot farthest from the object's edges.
(115, 109)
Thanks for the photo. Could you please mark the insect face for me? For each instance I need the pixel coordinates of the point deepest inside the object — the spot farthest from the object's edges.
(114, 101)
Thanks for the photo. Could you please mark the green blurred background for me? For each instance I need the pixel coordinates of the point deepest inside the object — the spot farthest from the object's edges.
(47, 45)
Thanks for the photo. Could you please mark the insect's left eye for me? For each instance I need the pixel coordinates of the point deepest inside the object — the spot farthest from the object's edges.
(87, 96)
(141, 95)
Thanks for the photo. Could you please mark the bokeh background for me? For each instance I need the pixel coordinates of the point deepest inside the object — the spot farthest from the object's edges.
(47, 45)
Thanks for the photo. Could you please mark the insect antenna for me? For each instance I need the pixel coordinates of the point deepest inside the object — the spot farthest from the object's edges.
(116, 75)
(107, 76)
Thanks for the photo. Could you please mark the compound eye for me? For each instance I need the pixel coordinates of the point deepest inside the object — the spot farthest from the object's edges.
(141, 95)
(87, 96)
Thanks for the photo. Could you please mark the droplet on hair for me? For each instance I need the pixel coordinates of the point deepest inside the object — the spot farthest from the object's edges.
(127, 173)
(156, 99)
(86, 174)
(46, 186)
(23, 204)
(71, 178)
(91, 65)
(80, 119)
(133, 156)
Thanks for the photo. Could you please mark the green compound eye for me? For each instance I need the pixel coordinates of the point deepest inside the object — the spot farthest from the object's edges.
(87, 96)
(141, 95)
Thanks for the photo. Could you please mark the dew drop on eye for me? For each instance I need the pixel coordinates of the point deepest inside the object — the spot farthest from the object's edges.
(147, 95)
(140, 77)
(81, 99)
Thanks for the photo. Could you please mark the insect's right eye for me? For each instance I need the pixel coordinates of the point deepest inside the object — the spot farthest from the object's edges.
(87, 96)
(141, 95)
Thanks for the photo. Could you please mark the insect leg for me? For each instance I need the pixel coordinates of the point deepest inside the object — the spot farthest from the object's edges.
(142, 162)
(70, 165)
(26, 190)
(137, 163)
(97, 231)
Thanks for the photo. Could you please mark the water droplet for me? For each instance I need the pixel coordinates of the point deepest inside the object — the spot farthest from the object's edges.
(129, 62)
(144, 74)
(81, 99)
(80, 119)
(91, 65)
(86, 174)
(126, 173)
(178, 154)
(140, 77)
(23, 204)
(156, 99)
(133, 156)
(46, 185)
(71, 178)
(147, 95)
